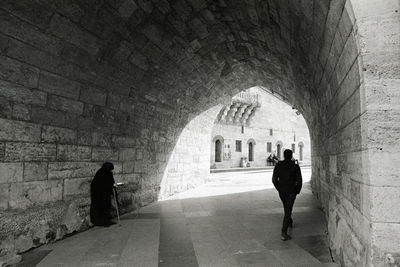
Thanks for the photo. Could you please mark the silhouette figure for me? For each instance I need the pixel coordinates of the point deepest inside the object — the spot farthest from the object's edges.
(101, 191)
(273, 159)
(287, 180)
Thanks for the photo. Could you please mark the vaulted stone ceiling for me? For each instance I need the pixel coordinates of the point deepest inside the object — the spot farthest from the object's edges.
(194, 46)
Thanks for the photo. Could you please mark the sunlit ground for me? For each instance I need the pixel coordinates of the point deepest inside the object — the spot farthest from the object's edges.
(236, 182)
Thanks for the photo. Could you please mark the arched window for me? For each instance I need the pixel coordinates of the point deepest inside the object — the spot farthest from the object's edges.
(218, 150)
(301, 148)
(251, 143)
(251, 152)
(279, 149)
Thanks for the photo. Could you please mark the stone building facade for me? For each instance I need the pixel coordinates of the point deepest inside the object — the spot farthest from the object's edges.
(82, 82)
(271, 127)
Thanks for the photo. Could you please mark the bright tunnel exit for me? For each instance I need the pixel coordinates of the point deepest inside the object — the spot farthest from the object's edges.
(243, 137)
(253, 131)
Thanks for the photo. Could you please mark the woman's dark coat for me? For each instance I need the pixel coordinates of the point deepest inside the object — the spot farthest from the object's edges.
(101, 190)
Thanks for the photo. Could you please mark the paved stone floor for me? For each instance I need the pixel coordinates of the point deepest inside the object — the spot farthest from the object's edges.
(234, 220)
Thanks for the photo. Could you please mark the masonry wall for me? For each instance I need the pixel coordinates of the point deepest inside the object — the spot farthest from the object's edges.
(67, 104)
(188, 164)
(379, 36)
(351, 168)
(337, 142)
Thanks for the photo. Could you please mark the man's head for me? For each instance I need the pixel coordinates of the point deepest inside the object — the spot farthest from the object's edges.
(288, 154)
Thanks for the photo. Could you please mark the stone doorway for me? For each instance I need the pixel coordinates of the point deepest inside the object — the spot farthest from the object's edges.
(218, 151)
(251, 152)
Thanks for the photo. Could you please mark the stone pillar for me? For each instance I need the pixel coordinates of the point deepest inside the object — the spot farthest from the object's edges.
(379, 37)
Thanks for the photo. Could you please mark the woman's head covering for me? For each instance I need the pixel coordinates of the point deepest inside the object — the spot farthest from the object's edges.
(108, 166)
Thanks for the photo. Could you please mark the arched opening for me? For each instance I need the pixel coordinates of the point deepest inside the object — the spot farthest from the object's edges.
(251, 152)
(121, 81)
(251, 148)
(219, 148)
(218, 151)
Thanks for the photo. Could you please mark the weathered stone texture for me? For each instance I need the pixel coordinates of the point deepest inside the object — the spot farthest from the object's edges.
(23, 195)
(127, 7)
(64, 104)
(14, 71)
(2, 150)
(35, 171)
(11, 172)
(12, 26)
(19, 131)
(4, 196)
(70, 32)
(21, 112)
(22, 94)
(104, 154)
(51, 117)
(74, 187)
(58, 85)
(62, 170)
(5, 108)
(73, 153)
(94, 96)
(52, 134)
(127, 154)
(29, 152)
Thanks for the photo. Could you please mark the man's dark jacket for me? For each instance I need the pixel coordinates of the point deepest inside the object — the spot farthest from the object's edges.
(287, 177)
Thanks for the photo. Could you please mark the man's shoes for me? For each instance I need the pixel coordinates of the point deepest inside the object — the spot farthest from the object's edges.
(285, 237)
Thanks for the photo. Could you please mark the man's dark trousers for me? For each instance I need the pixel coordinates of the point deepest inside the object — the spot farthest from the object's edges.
(288, 202)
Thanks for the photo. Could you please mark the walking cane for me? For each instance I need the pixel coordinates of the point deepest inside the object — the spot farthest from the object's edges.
(116, 204)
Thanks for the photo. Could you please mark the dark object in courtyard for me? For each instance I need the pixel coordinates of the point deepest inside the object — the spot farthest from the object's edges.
(101, 191)
(288, 181)
(272, 159)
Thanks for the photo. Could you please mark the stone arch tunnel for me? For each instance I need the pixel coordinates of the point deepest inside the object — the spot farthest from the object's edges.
(82, 82)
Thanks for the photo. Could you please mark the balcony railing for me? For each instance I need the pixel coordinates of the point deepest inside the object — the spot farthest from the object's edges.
(246, 97)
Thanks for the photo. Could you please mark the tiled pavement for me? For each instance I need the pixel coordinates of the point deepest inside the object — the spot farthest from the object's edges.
(232, 221)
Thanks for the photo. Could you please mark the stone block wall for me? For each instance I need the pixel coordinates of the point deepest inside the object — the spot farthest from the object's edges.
(379, 31)
(65, 108)
(338, 178)
(189, 162)
(349, 174)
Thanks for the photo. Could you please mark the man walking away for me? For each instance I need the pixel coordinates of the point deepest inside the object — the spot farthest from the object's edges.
(287, 180)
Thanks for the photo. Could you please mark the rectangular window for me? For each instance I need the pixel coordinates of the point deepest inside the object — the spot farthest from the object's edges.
(269, 147)
(242, 128)
(271, 132)
(293, 147)
(238, 146)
